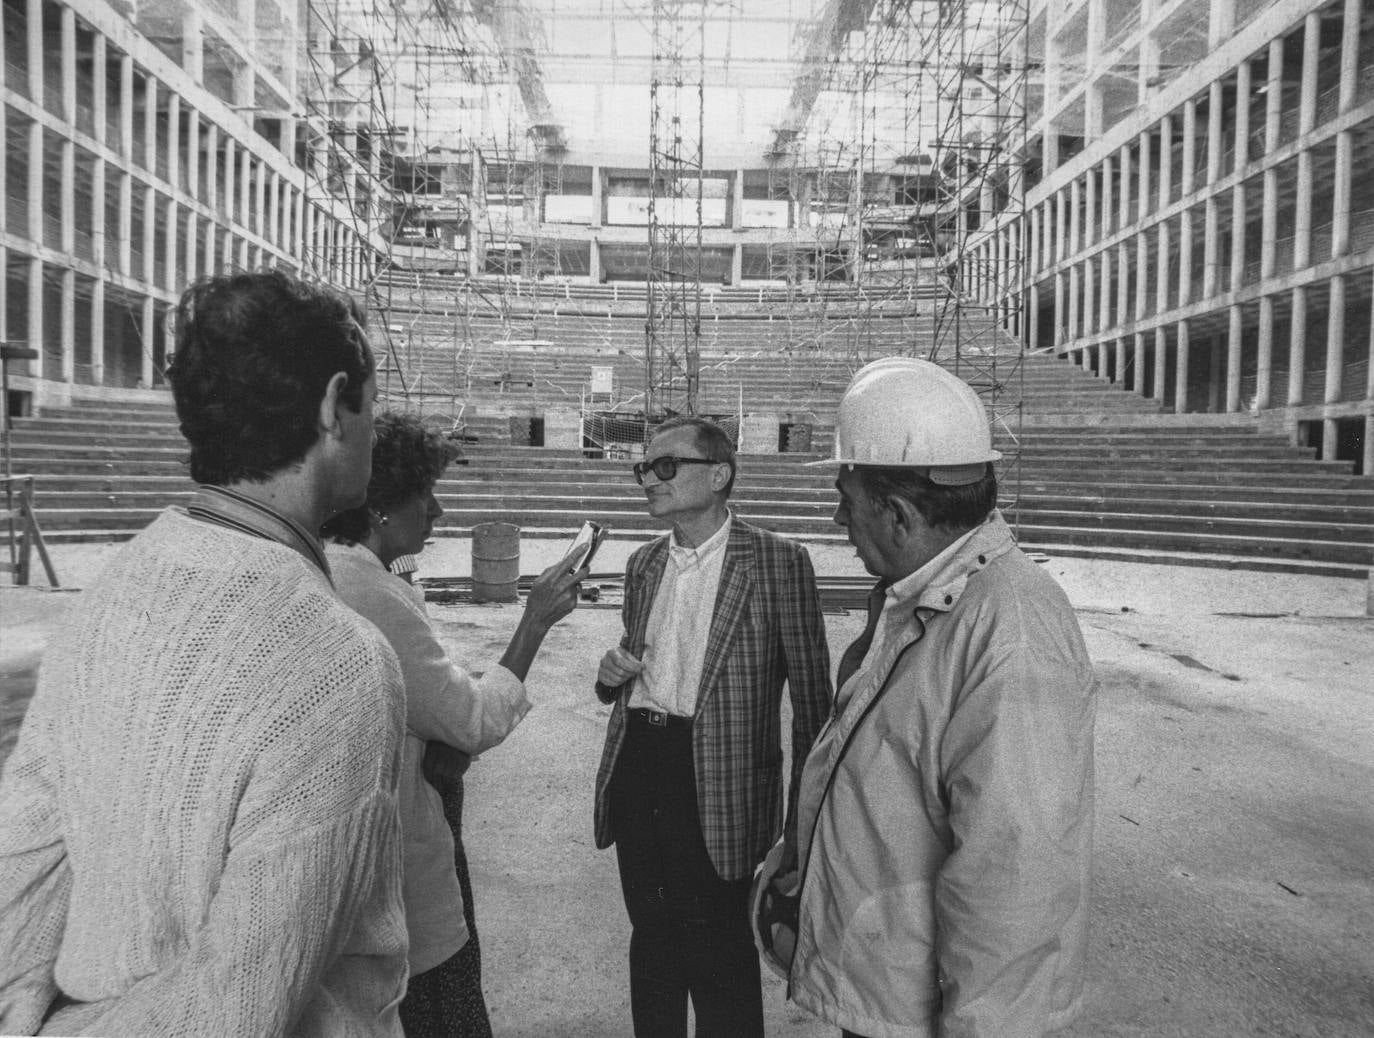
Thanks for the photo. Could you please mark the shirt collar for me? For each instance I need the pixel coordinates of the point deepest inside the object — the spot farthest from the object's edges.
(683, 556)
(225, 507)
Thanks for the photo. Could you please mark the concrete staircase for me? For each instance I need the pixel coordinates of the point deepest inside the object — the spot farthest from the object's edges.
(1096, 472)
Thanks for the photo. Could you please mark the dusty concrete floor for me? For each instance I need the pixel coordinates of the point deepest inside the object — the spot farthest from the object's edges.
(1234, 892)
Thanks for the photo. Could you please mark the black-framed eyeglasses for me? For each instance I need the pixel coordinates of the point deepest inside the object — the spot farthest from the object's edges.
(665, 468)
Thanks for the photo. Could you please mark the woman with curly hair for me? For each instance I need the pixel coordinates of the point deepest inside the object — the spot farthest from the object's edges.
(451, 714)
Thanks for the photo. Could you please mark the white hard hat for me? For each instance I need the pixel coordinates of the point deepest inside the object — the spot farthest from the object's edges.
(909, 413)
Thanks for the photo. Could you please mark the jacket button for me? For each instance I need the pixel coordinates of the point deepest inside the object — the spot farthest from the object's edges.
(982, 560)
(949, 600)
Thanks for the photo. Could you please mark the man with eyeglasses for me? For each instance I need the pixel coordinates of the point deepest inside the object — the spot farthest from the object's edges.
(718, 614)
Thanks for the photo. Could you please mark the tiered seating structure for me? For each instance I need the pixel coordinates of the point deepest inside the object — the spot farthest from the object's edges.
(1096, 471)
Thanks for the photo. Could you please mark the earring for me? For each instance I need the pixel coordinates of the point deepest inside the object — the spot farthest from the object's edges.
(382, 517)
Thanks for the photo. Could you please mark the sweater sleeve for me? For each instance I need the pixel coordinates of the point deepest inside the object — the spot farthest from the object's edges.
(35, 876)
(443, 701)
(312, 868)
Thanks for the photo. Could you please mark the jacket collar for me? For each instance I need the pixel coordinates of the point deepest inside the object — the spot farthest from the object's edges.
(946, 585)
(225, 507)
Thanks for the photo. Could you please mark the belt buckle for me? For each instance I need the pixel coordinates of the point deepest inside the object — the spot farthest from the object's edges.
(657, 718)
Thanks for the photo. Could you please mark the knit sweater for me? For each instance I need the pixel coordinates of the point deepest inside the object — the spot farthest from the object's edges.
(198, 826)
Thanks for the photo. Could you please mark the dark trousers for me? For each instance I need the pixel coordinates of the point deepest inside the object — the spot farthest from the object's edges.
(691, 933)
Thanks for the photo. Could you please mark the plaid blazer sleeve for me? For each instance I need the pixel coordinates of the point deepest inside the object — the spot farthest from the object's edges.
(807, 659)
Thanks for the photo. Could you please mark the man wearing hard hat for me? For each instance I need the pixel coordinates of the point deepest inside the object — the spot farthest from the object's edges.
(945, 815)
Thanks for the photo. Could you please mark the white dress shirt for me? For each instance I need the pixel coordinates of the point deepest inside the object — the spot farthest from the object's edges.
(679, 626)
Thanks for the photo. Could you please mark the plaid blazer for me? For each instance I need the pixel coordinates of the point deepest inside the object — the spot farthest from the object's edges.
(767, 629)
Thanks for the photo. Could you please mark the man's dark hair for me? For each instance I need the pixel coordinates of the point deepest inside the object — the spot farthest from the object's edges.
(713, 441)
(254, 353)
(953, 508)
(407, 460)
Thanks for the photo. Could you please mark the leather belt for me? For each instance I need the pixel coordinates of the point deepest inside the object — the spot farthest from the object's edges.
(659, 719)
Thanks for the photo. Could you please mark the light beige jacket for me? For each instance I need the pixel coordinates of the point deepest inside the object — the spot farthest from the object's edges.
(946, 814)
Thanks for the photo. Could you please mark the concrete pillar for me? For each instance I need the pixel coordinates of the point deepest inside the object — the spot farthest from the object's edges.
(1273, 99)
(173, 141)
(1237, 273)
(1161, 363)
(245, 186)
(1123, 283)
(68, 325)
(126, 107)
(1092, 233)
(1185, 256)
(151, 141)
(1166, 161)
(99, 243)
(1162, 285)
(1340, 202)
(1060, 317)
(1302, 212)
(68, 43)
(1074, 302)
(1104, 320)
(598, 202)
(1089, 300)
(1189, 146)
(1335, 360)
(1214, 103)
(1264, 370)
(66, 194)
(37, 185)
(1120, 346)
(149, 317)
(1311, 60)
(1106, 213)
(148, 274)
(1181, 370)
(193, 154)
(594, 261)
(34, 332)
(98, 332)
(1138, 374)
(1242, 156)
(262, 218)
(1123, 218)
(33, 10)
(1221, 20)
(1142, 272)
(1369, 393)
(1350, 55)
(1142, 208)
(192, 49)
(1233, 341)
(1211, 232)
(126, 223)
(1032, 336)
(189, 272)
(1269, 223)
(211, 167)
(1297, 346)
(736, 264)
(1075, 216)
(1062, 227)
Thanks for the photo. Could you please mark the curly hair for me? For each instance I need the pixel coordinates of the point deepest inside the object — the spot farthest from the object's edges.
(407, 460)
(951, 507)
(254, 353)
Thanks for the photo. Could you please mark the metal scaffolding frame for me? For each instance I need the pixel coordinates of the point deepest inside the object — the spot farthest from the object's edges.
(677, 92)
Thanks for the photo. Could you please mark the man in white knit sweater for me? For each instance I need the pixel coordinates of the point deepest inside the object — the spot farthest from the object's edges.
(198, 826)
